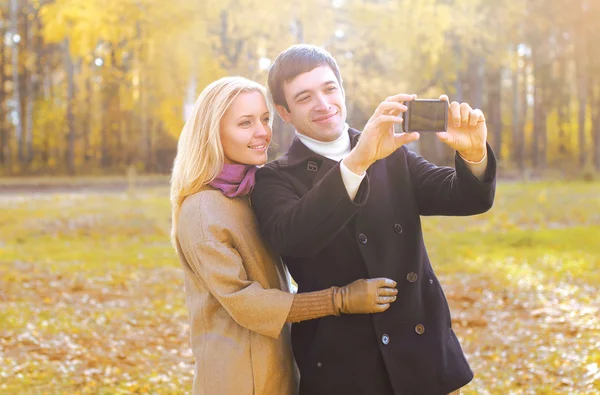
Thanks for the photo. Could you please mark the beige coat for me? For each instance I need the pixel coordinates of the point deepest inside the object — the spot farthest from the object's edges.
(238, 300)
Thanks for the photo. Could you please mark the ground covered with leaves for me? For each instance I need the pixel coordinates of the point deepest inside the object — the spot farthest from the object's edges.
(92, 302)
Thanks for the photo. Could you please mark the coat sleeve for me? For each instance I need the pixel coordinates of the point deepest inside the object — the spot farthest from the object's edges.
(448, 191)
(300, 226)
(218, 266)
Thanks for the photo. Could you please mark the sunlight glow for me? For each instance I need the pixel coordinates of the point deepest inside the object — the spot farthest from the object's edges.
(264, 63)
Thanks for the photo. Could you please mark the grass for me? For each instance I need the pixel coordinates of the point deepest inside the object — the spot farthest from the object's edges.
(522, 281)
(92, 301)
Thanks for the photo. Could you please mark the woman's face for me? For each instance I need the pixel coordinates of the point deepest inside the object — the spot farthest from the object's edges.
(245, 130)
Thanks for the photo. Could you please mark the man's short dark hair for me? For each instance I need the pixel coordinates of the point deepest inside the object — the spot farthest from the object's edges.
(294, 61)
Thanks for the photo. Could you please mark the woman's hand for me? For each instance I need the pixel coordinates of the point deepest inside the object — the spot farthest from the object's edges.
(365, 296)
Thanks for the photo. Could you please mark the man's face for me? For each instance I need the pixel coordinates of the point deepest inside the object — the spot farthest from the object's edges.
(317, 104)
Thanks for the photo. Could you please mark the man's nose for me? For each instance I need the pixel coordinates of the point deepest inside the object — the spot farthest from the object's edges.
(322, 103)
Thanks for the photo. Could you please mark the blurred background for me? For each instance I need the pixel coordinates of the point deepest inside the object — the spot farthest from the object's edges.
(93, 87)
(93, 96)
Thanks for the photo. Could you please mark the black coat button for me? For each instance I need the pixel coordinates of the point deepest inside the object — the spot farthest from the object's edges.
(398, 228)
(411, 277)
(362, 238)
(385, 339)
(420, 329)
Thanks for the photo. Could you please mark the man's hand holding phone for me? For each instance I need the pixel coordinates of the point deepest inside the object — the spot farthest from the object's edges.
(457, 125)
(467, 131)
(378, 139)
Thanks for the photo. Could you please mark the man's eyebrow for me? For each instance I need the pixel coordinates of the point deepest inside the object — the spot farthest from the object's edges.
(301, 93)
(308, 90)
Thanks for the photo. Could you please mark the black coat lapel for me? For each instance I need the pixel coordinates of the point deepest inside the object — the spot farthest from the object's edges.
(315, 166)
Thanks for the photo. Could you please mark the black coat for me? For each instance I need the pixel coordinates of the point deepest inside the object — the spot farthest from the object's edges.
(326, 239)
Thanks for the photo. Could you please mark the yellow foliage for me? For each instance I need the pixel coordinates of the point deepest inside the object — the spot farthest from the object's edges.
(144, 58)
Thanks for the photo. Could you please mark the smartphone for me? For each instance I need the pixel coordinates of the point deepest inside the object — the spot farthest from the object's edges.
(426, 115)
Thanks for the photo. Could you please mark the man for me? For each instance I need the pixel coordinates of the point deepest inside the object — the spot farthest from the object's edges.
(342, 205)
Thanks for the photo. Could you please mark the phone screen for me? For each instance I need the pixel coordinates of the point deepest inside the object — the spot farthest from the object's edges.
(427, 116)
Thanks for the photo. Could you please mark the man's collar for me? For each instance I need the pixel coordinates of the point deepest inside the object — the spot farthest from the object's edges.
(298, 152)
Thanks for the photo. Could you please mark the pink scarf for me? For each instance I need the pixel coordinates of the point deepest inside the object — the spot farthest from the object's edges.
(235, 180)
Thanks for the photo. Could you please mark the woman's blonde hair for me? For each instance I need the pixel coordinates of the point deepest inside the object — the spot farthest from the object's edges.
(200, 155)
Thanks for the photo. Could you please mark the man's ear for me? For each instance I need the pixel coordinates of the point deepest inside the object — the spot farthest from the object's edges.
(283, 113)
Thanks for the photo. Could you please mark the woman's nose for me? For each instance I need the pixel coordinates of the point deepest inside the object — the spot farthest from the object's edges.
(262, 130)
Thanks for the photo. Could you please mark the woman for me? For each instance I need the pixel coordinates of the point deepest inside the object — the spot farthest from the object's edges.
(237, 290)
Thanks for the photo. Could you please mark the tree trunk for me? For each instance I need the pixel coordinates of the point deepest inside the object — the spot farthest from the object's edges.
(283, 135)
(458, 91)
(298, 31)
(594, 95)
(596, 131)
(46, 93)
(473, 82)
(105, 111)
(146, 142)
(29, 80)
(150, 159)
(539, 110)
(580, 67)
(4, 130)
(230, 48)
(69, 67)
(18, 121)
(593, 52)
(117, 116)
(524, 108)
(39, 69)
(563, 100)
(494, 107)
(517, 128)
(108, 93)
(87, 124)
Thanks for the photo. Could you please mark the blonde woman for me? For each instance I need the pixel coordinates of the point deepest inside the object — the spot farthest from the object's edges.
(237, 290)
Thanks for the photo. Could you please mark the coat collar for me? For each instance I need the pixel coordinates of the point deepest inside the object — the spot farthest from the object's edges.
(299, 153)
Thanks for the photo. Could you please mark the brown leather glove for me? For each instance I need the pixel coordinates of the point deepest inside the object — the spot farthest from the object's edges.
(365, 296)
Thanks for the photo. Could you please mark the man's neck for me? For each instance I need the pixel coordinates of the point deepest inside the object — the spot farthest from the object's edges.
(335, 150)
